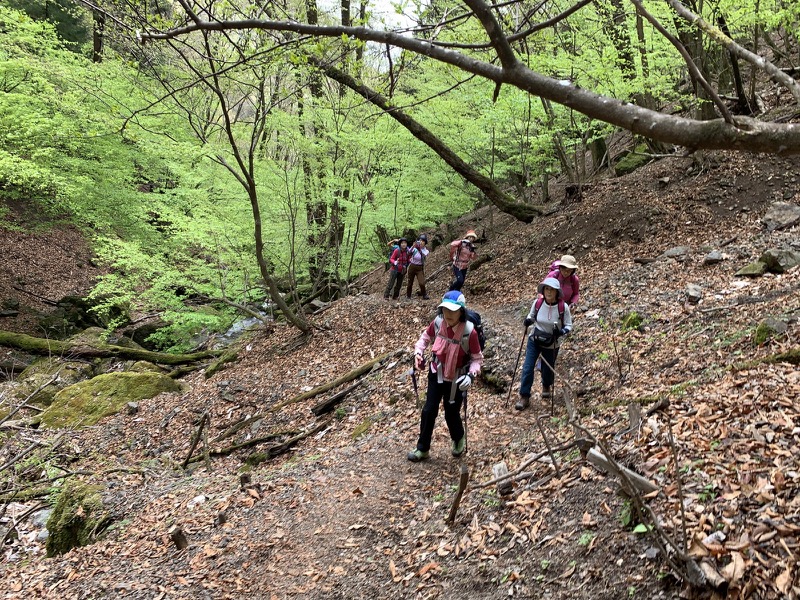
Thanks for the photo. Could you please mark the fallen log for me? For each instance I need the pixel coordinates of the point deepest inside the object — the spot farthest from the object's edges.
(328, 404)
(346, 378)
(272, 451)
(48, 347)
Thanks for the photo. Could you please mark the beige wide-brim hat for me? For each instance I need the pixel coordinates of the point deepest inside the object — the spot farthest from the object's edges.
(567, 261)
(471, 234)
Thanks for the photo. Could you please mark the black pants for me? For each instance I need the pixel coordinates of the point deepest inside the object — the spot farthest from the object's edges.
(438, 392)
(396, 280)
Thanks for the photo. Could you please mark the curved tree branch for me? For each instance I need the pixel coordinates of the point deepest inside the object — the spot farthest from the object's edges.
(747, 135)
(696, 74)
(523, 212)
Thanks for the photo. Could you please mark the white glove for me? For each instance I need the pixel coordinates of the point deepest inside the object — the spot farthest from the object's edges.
(464, 382)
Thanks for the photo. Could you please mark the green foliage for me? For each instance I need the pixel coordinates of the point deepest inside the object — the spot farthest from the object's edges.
(631, 321)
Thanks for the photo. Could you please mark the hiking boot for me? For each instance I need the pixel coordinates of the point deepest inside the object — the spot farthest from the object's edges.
(459, 446)
(523, 403)
(547, 392)
(426, 297)
(417, 455)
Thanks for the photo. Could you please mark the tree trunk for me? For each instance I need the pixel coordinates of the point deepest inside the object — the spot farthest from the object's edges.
(98, 32)
(48, 347)
(742, 104)
(616, 29)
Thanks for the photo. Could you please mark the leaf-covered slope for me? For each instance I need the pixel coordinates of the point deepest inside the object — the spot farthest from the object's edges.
(339, 517)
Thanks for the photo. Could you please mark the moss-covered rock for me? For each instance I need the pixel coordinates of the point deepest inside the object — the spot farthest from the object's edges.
(754, 269)
(77, 518)
(143, 366)
(768, 329)
(780, 261)
(31, 382)
(633, 160)
(87, 402)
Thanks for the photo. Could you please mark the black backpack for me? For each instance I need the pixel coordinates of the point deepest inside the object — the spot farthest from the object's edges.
(475, 318)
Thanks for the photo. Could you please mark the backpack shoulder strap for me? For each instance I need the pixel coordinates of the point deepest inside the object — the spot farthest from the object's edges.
(537, 305)
(468, 327)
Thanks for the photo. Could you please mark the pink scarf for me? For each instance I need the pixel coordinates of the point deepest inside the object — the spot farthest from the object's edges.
(448, 349)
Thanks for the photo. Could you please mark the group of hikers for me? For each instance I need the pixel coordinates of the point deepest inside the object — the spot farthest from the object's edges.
(405, 259)
(455, 340)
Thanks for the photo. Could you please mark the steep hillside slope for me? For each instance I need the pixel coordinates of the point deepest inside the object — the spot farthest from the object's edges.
(344, 515)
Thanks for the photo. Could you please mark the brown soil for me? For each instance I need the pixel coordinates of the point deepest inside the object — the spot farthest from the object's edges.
(346, 516)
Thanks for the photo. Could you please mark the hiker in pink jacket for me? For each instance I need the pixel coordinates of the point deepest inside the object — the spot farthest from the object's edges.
(462, 252)
(564, 270)
(399, 266)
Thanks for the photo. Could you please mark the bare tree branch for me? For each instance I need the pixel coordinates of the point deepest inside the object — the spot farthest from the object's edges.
(718, 36)
(749, 135)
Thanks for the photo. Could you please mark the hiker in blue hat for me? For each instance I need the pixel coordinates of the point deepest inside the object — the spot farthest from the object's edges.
(551, 321)
(456, 360)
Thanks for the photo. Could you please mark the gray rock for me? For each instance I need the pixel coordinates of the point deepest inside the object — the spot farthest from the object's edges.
(132, 408)
(678, 252)
(40, 518)
(780, 261)
(694, 293)
(712, 258)
(781, 215)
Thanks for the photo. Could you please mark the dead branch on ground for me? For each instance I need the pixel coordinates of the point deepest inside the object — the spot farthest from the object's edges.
(347, 377)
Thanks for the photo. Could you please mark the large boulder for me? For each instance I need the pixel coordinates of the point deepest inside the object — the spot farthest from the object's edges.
(86, 402)
(781, 215)
(73, 314)
(42, 380)
(780, 261)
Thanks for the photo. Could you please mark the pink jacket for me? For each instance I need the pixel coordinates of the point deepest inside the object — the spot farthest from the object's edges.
(460, 254)
(475, 358)
(570, 286)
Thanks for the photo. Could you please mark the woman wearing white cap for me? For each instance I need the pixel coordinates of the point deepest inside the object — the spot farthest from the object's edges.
(552, 320)
(455, 363)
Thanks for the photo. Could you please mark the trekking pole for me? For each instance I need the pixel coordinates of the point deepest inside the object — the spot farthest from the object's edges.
(516, 366)
(466, 445)
(553, 387)
(414, 380)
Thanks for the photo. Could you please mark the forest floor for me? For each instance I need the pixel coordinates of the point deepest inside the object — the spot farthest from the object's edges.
(343, 514)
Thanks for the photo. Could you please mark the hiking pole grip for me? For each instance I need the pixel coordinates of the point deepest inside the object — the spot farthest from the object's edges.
(516, 366)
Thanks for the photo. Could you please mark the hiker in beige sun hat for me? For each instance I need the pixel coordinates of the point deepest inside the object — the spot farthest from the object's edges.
(564, 270)
(567, 261)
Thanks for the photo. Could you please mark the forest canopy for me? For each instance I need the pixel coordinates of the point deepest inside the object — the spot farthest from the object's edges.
(224, 154)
